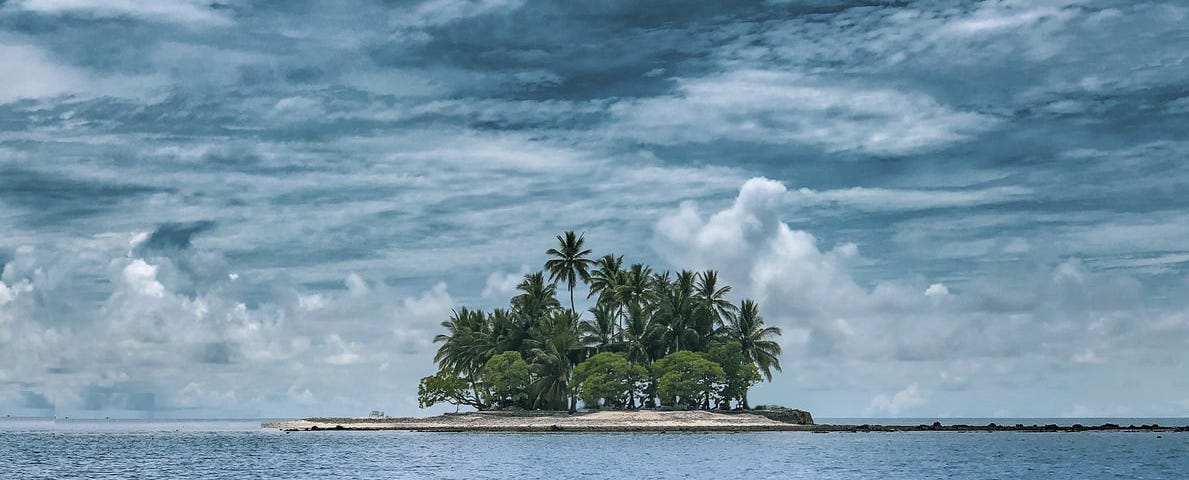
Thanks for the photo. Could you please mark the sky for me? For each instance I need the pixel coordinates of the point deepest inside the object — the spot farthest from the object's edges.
(264, 209)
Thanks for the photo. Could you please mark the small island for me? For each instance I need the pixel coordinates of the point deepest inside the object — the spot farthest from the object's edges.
(651, 340)
(657, 351)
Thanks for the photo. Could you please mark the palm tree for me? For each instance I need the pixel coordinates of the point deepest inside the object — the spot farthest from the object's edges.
(569, 263)
(755, 340)
(599, 331)
(641, 338)
(678, 314)
(461, 350)
(507, 331)
(605, 276)
(537, 299)
(636, 286)
(605, 280)
(556, 349)
(637, 335)
(714, 298)
(660, 280)
(466, 346)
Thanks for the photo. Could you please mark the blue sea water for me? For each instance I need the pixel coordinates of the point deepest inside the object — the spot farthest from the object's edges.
(239, 449)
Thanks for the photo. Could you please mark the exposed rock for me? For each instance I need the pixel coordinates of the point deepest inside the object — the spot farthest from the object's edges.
(782, 414)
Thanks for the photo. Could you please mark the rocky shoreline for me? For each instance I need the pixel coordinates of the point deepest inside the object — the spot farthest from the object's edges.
(783, 420)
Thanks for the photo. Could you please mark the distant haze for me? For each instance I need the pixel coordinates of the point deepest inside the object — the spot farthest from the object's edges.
(245, 209)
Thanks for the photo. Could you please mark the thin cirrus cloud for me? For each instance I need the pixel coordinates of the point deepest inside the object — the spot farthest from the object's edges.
(776, 107)
(185, 12)
(869, 199)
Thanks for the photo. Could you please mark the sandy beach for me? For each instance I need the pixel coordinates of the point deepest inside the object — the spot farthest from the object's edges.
(604, 421)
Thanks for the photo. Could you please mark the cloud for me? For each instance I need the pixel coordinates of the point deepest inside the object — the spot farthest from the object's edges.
(172, 236)
(344, 352)
(750, 241)
(1086, 356)
(502, 286)
(33, 72)
(141, 278)
(433, 13)
(999, 16)
(815, 294)
(937, 290)
(301, 396)
(904, 400)
(416, 320)
(185, 12)
(782, 108)
(149, 347)
(30, 73)
(879, 199)
(356, 285)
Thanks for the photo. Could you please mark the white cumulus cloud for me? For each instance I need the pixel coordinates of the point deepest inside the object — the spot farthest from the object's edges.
(906, 399)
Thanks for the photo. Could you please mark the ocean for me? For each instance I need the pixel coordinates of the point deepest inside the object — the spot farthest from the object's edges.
(238, 449)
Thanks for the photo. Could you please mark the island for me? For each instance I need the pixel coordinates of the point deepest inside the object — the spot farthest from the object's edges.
(651, 340)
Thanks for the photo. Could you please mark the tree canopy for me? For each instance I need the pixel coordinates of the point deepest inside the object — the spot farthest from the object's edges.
(651, 338)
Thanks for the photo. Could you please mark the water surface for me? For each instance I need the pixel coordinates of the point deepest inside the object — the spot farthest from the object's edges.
(238, 449)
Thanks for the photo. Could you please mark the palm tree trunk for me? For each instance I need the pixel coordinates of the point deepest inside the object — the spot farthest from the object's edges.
(615, 321)
(572, 310)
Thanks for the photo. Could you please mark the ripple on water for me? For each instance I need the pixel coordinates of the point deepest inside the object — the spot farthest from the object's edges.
(253, 453)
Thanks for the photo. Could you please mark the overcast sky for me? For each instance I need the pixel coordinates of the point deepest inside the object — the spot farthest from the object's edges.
(235, 208)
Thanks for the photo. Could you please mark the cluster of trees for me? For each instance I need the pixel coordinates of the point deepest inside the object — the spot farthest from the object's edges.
(651, 339)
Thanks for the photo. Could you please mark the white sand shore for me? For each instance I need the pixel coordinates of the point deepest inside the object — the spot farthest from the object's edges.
(604, 421)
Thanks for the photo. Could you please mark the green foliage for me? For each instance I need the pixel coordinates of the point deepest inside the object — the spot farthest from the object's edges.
(600, 329)
(569, 262)
(506, 378)
(713, 299)
(610, 378)
(537, 298)
(756, 339)
(740, 373)
(446, 387)
(606, 278)
(463, 349)
(687, 378)
(556, 348)
(700, 348)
